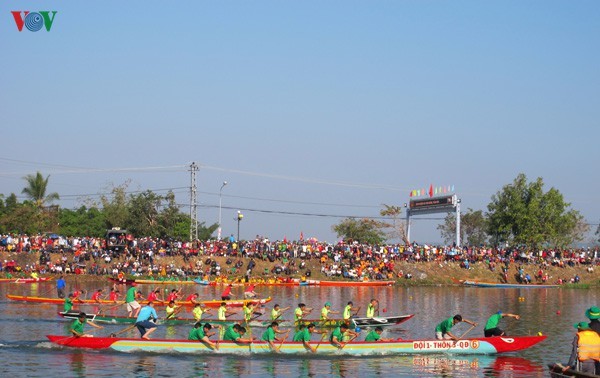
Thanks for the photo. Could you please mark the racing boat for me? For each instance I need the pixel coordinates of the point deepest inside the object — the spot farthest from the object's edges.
(350, 283)
(476, 346)
(507, 285)
(211, 303)
(381, 321)
(25, 280)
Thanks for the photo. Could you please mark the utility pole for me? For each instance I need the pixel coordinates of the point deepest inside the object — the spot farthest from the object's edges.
(193, 204)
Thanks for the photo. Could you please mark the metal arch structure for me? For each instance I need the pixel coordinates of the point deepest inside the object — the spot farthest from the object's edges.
(434, 205)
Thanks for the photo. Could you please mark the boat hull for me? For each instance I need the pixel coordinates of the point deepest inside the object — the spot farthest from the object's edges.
(25, 280)
(508, 286)
(480, 346)
(212, 303)
(384, 321)
(351, 283)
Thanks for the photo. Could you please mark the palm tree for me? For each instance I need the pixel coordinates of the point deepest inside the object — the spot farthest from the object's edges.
(36, 190)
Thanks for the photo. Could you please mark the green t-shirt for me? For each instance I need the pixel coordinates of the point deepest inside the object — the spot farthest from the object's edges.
(68, 304)
(303, 335)
(77, 326)
(269, 334)
(372, 336)
(130, 295)
(493, 321)
(231, 334)
(445, 326)
(196, 334)
(337, 333)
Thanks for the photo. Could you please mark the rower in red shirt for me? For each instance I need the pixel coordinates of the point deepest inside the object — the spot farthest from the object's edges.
(114, 295)
(226, 295)
(173, 295)
(97, 296)
(249, 292)
(192, 298)
(153, 296)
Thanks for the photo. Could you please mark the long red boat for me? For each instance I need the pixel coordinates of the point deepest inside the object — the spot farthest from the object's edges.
(25, 280)
(350, 283)
(476, 346)
(212, 303)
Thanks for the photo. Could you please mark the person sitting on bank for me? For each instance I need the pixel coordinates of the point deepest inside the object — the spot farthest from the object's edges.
(201, 333)
(491, 327)
(77, 326)
(442, 331)
(585, 353)
(375, 335)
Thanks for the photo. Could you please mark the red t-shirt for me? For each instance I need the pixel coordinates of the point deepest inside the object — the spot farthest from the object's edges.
(172, 297)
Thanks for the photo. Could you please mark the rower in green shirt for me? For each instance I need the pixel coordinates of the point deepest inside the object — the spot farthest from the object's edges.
(339, 333)
(235, 333)
(491, 327)
(77, 326)
(201, 333)
(304, 334)
(270, 335)
(442, 330)
(375, 335)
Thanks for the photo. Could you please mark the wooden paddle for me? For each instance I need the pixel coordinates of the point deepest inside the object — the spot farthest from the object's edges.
(323, 337)
(283, 339)
(121, 331)
(349, 341)
(467, 331)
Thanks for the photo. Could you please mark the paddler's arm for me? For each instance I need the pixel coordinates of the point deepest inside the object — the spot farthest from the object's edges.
(310, 347)
(94, 324)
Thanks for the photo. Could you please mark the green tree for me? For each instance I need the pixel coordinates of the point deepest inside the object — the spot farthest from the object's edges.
(82, 222)
(523, 214)
(36, 190)
(363, 230)
(115, 207)
(473, 227)
(144, 214)
(396, 227)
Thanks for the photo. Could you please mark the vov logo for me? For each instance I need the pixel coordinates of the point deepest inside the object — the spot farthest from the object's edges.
(33, 21)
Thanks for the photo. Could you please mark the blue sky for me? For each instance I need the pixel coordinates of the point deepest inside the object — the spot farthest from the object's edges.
(313, 107)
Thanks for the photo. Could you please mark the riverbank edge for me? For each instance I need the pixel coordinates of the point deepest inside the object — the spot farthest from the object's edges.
(432, 273)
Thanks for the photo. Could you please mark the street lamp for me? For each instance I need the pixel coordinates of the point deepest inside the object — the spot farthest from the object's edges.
(220, 194)
(239, 219)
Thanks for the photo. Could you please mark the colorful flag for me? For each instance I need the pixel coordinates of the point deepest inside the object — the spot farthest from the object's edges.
(430, 190)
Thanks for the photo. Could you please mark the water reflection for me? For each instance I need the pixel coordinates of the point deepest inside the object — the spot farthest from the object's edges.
(77, 364)
(145, 366)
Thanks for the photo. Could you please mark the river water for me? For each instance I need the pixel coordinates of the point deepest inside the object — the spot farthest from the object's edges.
(24, 350)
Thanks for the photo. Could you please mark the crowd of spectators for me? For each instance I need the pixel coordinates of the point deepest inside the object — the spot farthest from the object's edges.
(350, 260)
